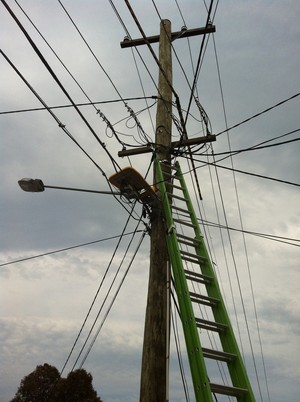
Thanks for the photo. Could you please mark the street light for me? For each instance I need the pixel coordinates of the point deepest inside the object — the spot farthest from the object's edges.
(32, 185)
(37, 186)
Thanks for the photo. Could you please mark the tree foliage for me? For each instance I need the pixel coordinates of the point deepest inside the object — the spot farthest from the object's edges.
(44, 384)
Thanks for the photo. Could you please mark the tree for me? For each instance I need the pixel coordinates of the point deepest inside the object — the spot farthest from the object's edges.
(44, 384)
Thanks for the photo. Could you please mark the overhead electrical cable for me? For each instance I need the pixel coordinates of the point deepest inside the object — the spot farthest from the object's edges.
(134, 58)
(115, 164)
(281, 239)
(104, 118)
(60, 124)
(113, 300)
(203, 114)
(131, 112)
(258, 146)
(90, 49)
(65, 249)
(221, 236)
(128, 36)
(259, 114)
(174, 51)
(247, 173)
(241, 222)
(179, 354)
(177, 100)
(77, 104)
(97, 293)
(208, 19)
(204, 117)
(244, 241)
(54, 76)
(143, 89)
(201, 110)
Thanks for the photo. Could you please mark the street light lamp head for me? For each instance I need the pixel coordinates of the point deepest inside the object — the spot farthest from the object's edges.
(32, 185)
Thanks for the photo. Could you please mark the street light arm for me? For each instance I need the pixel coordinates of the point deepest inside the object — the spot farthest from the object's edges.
(37, 186)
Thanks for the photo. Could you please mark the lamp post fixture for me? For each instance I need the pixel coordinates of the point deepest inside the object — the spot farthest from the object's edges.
(37, 186)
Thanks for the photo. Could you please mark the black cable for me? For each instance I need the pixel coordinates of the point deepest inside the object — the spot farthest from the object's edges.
(104, 118)
(95, 297)
(256, 147)
(198, 62)
(113, 300)
(90, 49)
(280, 239)
(129, 37)
(77, 104)
(65, 249)
(259, 114)
(60, 124)
(132, 114)
(177, 100)
(179, 354)
(54, 76)
(54, 116)
(244, 172)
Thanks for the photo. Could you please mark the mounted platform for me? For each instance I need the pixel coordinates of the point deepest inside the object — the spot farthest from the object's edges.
(133, 186)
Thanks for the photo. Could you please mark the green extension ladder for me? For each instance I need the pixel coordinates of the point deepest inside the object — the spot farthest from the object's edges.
(198, 294)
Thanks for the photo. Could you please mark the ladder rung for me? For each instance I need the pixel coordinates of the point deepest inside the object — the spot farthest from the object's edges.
(218, 355)
(176, 196)
(170, 175)
(227, 390)
(210, 325)
(186, 211)
(194, 276)
(187, 240)
(206, 300)
(175, 186)
(168, 164)
(196, 257)
(188, 259)
(184, 222)
(187, 243)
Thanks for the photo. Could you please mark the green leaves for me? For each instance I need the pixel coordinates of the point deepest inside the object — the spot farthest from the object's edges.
(44, 384)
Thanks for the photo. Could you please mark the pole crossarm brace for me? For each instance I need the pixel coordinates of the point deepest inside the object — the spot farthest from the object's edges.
(174, 144)
(184, 33)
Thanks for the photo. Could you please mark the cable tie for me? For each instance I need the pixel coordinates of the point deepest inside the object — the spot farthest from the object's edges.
(171, 229)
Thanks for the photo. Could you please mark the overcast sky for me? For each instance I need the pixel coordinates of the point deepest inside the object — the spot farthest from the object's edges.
(44, 300)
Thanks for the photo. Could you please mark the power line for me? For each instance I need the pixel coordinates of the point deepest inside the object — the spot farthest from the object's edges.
(60, 124)
(129, 37)
(281, 239)
(90, 49)
(259, 114)
(113, 299)
(244, 172)
(134, 59)
(178, 105)
(95, 297)
(258, 146)
(66, 249)
(198, 62)
(77, 104)
(54, 76)
(131, 112)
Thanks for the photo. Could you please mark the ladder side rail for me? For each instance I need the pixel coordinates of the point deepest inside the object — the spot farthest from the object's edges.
(199, 374)
(236, 368)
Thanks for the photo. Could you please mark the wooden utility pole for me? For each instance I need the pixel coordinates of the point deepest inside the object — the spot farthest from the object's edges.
(155, 349)
(154, 372)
